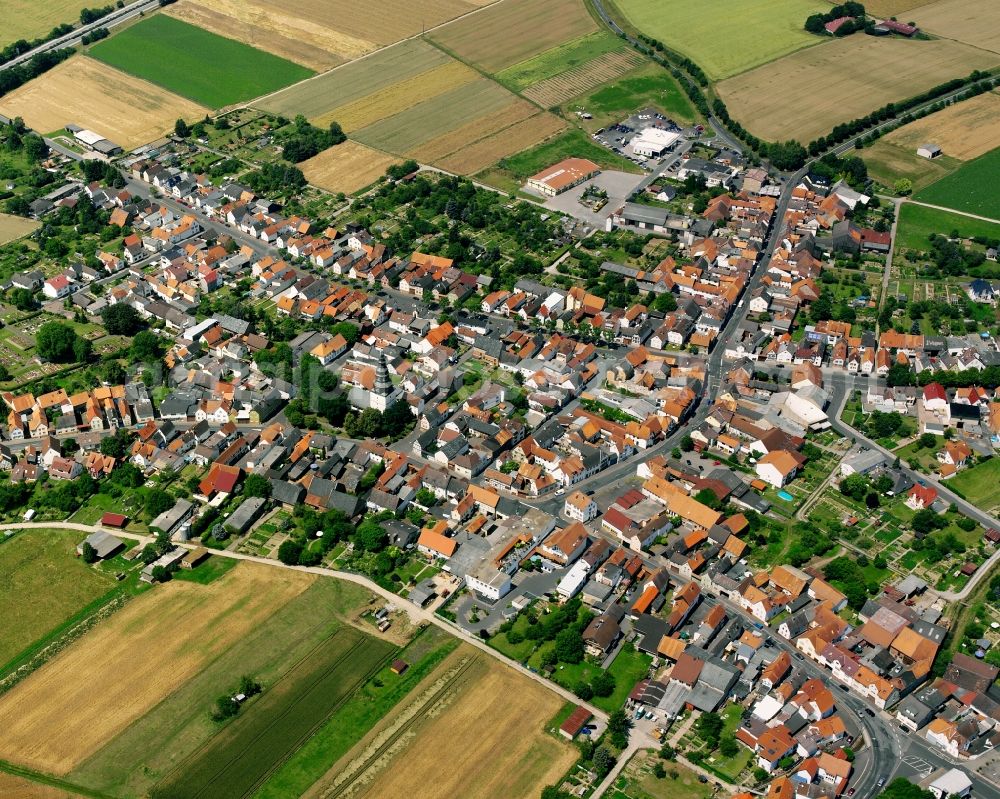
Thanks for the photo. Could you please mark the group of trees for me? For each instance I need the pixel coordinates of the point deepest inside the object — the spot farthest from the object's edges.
(58, 342)
(276, 180)
(306, 140)
(395, 422)
(15, 77)
(467, 209)
(861, 489)
(122, 319)
(816, 23)
(227, 706)
(850, 578)
(89, 15)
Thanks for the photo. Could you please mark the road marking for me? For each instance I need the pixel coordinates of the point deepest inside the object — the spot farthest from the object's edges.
(918, 763)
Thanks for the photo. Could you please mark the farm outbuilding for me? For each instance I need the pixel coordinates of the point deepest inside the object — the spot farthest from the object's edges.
(104, 544)
(928, 151)
(575, 723)
(116, 520)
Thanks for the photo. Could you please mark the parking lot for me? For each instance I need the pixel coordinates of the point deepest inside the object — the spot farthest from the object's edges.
(618, 185)
(618, 138)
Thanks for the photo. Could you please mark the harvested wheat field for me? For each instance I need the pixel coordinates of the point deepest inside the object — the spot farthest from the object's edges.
(964, 130)
(567, 85)
(892, 8)
(857, 74)
(317, 96)
(487, 151)
(24, 789)
(971, 21)
(454, 140)
(498, 715)
(398, 97)
(85, 92)
(319, 33)
(273, 30)
(116, 673)
(15, 227)
(514, 30)
(347, 167)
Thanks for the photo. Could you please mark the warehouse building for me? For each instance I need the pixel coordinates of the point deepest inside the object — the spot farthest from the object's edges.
(565, 175)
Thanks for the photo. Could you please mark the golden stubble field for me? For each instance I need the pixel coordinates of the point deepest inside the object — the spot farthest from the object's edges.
(971, 21)
(15, 227)
(844, 79)
(20, 788)
(964, 130)
(347, 167)
(85, 92)
(272, 29)
(321, 33)
(489, 714)
(117, 672)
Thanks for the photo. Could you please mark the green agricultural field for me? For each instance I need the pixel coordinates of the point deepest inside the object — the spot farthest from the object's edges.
(247, 751)
(180, 726)
(721, 38)
(196, 64)
(978, 484)
(650, 85)
(43, 585)
(349, 724)
(511, 172)
(917, 222)
(559, 59)
(972, 188)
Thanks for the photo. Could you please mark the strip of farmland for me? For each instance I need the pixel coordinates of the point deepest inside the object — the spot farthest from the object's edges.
(244, 754)
(570, 84)
(356, 80)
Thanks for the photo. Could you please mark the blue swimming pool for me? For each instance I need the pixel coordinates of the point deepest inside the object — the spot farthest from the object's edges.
(785, 496)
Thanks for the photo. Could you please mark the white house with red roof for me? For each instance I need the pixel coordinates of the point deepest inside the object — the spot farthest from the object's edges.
(57, 287)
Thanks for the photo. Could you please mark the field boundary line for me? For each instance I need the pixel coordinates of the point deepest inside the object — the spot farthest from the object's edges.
(44, 779)
(952, 211)
(378, 666)
(487, 75)
(415, 36)
(336, 791)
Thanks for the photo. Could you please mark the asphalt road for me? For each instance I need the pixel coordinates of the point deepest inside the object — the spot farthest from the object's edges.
(116, 17)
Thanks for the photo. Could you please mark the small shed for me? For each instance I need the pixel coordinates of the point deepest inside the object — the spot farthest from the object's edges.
(399, 666)
(969, 569)
(194, 557)
(928, 151)
(575, 723)
(116, 520)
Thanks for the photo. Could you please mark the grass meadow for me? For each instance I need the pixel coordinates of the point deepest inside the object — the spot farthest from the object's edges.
(202, 66)
(971, 188)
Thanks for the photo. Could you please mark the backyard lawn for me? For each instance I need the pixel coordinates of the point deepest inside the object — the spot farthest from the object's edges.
(978, 484)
